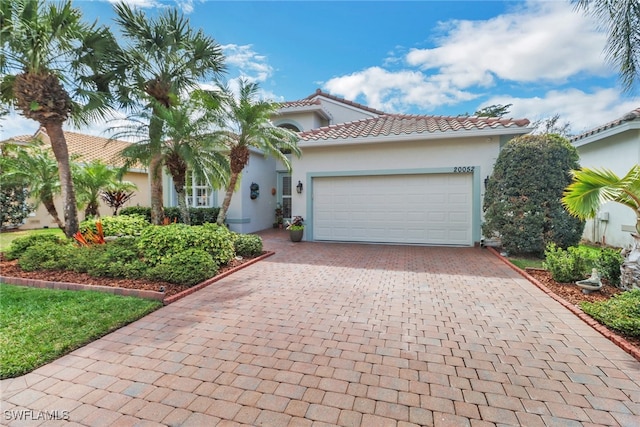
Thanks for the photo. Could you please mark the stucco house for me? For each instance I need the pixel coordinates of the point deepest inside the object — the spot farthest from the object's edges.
(369, 176)
(87, 148)
(615, 146)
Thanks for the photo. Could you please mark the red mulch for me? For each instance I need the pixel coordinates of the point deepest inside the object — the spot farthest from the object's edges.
(574, 295)
(12, 269)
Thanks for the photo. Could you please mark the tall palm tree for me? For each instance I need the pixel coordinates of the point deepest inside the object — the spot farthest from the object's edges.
(53, 69)
(188, 143)
(165, 58)
(34, 166)
(248, 124)
(593, 187)
(621, 19)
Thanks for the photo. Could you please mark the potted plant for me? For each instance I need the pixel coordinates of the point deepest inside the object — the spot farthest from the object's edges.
(279, 218)
(296, 228)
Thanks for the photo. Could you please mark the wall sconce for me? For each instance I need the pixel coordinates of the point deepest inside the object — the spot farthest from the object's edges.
(299, 187)
(255, 191)
(486, 182)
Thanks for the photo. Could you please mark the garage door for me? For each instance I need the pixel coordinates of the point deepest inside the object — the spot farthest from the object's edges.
(425, 209)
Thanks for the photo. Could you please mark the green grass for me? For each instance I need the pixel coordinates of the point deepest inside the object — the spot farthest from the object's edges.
(7, 237)
(40, 325)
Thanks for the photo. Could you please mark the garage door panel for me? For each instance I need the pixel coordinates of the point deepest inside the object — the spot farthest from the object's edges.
(428, 209)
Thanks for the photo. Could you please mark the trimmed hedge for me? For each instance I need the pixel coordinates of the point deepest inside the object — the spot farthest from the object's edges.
(197, 216)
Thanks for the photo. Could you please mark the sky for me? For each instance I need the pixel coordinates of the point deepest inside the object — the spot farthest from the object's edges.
(414, 57)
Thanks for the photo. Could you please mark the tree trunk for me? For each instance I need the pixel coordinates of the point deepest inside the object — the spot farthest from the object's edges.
(179, 184)
(155, 170)
(222, 215)
(51, 209)
(630, 268)
(59, 146)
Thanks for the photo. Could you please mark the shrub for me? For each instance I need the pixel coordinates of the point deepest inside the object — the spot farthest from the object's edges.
(189, 267)
(21, 244)
(620, 312)
(608, 264)
(248, 245)
(523, 199)
(158, 242)
(120, 258)
(137, 210)
(197, 216)
(127, 225)
(568, 265)
(46, 256)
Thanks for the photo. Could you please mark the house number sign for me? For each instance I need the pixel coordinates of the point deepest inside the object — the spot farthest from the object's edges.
(463, 169)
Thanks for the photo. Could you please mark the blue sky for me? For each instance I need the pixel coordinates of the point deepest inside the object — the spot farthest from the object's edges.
(417, 57)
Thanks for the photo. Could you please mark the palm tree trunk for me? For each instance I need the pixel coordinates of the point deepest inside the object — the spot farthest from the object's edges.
(51, 209)
(179, 181)
(155, 170)
(222, 215)
(59, 146)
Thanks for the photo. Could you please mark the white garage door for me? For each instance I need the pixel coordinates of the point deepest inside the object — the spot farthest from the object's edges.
(427, 209)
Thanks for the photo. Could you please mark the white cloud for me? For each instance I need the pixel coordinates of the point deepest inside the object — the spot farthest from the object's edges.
(583, 111)
(186, 6)
(250, 64)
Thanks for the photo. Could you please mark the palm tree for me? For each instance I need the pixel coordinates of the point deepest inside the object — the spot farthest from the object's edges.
(165, 58)
(53, 69)
(188, 143)
(621, 19)
(91, 180)
(34, 166)
(248, 124)
(591, 188)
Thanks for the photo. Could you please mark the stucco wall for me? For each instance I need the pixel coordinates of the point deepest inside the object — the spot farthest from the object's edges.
(618, 153)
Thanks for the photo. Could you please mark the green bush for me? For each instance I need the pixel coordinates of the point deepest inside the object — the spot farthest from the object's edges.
(565, 266)
(137, 210)
(127, 225)
(21, 244)
(189, 267)
(158, 242)
(621, 312)
(119, 259)
(197, 216)
(608, 264)
(46, 256)
(523, 199)
(248, 245)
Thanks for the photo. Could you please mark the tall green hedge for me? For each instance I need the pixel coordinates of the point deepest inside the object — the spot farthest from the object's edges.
(198, 216)
(522, 203)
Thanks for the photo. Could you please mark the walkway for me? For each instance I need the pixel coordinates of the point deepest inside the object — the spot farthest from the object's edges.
(344, 334)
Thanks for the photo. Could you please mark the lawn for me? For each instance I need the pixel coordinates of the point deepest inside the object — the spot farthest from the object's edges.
(39, 325)
(6, 237)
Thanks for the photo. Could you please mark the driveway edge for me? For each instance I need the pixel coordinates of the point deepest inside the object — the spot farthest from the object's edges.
(606, 332)
(208, 282)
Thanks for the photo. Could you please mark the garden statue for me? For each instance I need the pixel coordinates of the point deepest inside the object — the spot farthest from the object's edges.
(591, 284)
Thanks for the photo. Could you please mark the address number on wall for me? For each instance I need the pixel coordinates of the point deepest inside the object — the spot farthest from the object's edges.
(463, 169)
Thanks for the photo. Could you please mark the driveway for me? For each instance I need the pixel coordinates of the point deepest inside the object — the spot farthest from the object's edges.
(345, 334)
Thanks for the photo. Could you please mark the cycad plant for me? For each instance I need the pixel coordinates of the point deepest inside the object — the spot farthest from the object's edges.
(593, 187)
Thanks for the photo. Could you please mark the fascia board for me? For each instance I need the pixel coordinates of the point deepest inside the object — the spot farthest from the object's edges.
(606, 133)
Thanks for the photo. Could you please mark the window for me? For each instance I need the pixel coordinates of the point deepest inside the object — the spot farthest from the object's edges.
(199, 192)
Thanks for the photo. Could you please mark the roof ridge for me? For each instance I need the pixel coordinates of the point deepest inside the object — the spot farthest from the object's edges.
(319, 92)
(629, 116)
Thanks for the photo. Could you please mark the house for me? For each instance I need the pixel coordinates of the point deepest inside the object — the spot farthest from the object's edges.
(615, 146)
(369, 176)
(87, 148)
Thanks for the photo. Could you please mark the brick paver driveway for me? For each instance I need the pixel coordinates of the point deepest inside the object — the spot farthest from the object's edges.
(326, 334)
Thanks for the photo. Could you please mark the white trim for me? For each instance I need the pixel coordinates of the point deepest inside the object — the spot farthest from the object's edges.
(597, 136)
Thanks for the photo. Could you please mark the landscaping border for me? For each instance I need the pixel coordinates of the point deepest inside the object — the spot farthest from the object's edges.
(606, 332)
(139, 293)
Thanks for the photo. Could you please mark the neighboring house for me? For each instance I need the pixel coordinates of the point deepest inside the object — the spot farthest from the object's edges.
(369, 176)
(88, 148)
(614, 146)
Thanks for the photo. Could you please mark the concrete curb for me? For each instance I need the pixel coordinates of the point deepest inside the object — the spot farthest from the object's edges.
(153, 295)
(606, 332)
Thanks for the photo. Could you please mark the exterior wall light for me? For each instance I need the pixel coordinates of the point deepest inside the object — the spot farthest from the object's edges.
(299, 187)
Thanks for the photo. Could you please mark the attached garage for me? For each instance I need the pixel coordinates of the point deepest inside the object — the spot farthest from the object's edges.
(404, 208)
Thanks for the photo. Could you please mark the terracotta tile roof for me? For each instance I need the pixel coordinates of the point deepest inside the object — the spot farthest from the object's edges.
(318, 92)
(630, 116)
(87, 147)
(402, 124)
(301, 103)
